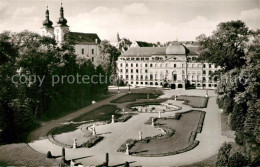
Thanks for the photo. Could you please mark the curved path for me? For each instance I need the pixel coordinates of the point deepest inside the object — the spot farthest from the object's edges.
(116, 134)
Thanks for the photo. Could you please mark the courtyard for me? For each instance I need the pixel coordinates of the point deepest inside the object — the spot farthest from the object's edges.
(116, 134)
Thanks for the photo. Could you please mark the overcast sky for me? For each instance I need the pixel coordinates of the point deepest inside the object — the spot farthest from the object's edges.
(156, 20)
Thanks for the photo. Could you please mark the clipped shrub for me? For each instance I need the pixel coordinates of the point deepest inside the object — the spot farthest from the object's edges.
(126, 164)
(177, 116)
(49, 155)
(107, 159)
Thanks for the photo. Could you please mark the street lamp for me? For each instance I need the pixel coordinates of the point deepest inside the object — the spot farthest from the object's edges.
(129, 89)
(118, 86)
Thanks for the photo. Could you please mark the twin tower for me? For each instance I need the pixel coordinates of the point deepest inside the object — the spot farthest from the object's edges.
(58, 31)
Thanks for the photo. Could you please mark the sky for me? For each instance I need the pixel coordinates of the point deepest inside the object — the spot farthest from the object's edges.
(151, 21)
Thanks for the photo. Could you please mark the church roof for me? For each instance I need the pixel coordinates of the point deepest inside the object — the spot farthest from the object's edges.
(82, 38)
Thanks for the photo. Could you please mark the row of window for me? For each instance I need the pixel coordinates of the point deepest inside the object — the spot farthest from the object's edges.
(166, 65)
(160, 83)
(204, 72)
(83, 51)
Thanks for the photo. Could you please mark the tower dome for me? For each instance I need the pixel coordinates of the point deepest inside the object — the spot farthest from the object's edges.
(62, 20)
(176, 49)
(47, 22)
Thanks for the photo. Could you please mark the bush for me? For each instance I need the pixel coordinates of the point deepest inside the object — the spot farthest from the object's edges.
(126, 164)
(223, 154)
(239, 138)
(49, 154)
(177, 116)
(237, 160)
(238, 117)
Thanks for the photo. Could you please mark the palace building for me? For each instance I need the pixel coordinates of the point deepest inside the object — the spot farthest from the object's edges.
(175, 67)
(86, 44)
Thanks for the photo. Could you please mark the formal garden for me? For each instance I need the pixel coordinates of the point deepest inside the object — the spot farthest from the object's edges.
(177, 136)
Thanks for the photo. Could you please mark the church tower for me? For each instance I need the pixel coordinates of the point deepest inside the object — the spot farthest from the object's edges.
(62, 28)
(47, 28)
(118, 38)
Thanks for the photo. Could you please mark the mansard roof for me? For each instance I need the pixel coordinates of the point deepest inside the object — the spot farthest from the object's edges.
(149, 51)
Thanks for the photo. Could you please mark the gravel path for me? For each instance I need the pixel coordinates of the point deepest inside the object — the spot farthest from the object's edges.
(116, 134)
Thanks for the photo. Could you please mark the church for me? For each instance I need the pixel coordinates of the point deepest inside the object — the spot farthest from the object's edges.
(86, 44)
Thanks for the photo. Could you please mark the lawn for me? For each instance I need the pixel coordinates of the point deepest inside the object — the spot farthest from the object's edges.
(135, 96)
(194, 101)
(23, 155)
(178, 143)
(60, 113)
(102, 113)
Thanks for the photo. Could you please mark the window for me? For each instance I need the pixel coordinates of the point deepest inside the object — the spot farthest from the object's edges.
(131, 64)
(92, 58)
(146, 71)
(132, 76)
(126, 70)
(121, 65)
(126, 65)
(82, 51)
(136, 70)
(174, 65)
(151, 77)
(209, 65)
(204, 72)
(126, 76)
(121, 70)
(204, 65)
(145, 65)
(136, 65)
(92, 51)
(141, 76)
(131, 70)
(151, 65)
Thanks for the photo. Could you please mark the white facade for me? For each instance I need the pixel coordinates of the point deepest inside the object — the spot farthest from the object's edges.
(172, 67)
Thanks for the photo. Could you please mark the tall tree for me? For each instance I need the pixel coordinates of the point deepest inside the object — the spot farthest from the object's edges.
(226, 46)
(107, 57)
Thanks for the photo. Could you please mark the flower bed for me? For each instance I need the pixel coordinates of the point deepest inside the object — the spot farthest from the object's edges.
(92, 141)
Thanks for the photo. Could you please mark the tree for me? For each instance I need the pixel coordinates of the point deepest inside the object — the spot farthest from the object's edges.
(226, 46)
(237, 159)
(107, 57)
(223, 154)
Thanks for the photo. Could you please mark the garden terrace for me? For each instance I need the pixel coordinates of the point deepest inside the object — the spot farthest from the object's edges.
(194, 101)
(102, 113)
(179, 142)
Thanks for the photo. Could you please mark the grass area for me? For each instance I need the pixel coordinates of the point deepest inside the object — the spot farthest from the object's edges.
(178, 143)
(23, 155)
(194, 101)
(60, 113)
(135, 96)
(102, 113)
